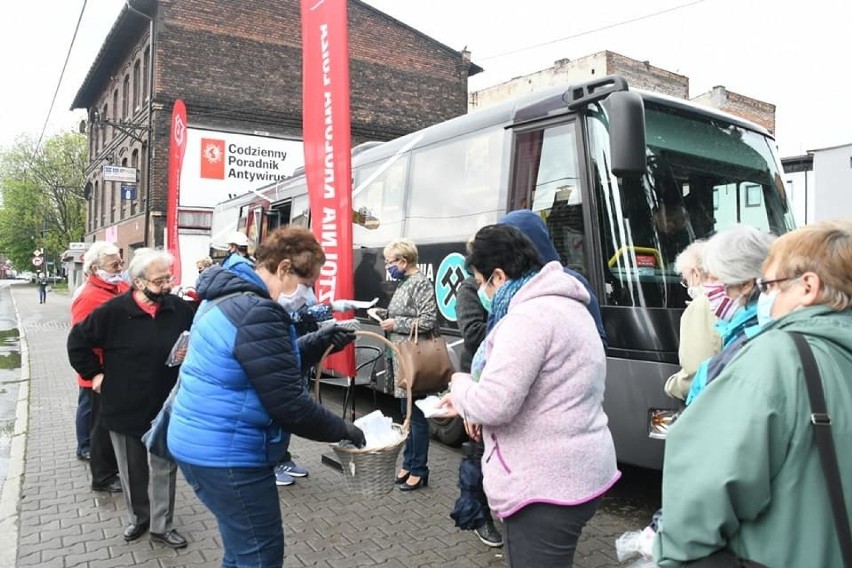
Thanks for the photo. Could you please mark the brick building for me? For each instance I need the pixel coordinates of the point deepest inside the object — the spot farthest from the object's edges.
(238, 69)
(639, 74)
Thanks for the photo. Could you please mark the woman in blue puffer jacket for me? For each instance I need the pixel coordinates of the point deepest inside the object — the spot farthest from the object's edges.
(241, 391)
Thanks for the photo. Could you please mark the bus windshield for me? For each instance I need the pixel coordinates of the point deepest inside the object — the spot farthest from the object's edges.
(703, 175)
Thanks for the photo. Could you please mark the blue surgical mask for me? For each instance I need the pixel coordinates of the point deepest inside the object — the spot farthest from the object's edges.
(764, 307)
(484, 299)
(396, 273)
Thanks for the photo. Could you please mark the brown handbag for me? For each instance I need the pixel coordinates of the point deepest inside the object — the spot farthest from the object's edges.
(427, 361)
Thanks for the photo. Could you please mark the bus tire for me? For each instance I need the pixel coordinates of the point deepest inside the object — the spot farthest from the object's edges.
(449, 431)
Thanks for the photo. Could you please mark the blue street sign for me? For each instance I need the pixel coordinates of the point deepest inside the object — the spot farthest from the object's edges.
(128, 191)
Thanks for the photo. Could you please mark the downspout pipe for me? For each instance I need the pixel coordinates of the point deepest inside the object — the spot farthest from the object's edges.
(146, 228)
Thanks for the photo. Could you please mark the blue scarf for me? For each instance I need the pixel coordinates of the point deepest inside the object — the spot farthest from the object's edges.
(500, 307)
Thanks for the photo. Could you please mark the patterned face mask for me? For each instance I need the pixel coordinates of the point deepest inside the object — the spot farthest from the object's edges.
(723, 305)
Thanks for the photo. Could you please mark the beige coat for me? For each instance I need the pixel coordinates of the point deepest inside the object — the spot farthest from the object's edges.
(699, 341)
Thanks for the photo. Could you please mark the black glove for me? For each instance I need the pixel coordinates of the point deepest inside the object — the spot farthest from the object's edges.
(355, 435)
(337, 336)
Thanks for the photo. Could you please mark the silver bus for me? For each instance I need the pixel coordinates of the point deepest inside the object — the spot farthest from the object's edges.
(624, 180)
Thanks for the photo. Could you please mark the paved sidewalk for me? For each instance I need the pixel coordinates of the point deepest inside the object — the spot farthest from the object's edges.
(63, 523)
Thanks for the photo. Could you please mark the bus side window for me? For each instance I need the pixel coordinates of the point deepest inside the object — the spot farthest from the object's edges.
(455, 187)
(377, 202)
(546, 181)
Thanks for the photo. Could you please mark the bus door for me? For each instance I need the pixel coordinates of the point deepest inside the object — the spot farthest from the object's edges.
(546, 179)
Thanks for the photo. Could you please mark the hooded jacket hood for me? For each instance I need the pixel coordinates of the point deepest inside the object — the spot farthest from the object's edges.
(217, 281)
(533, 227)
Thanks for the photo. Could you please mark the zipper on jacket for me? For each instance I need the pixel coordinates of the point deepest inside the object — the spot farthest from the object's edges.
(496, 450)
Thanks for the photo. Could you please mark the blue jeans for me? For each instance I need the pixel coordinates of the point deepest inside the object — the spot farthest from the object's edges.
(245, 504)
(84, 420)
(415, 455)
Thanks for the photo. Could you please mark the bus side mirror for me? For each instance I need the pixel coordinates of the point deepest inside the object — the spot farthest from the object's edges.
(626, 133)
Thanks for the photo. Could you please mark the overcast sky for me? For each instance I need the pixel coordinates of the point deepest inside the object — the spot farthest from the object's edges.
(792, 54)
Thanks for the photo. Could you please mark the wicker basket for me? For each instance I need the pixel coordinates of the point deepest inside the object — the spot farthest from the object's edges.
(372, 471)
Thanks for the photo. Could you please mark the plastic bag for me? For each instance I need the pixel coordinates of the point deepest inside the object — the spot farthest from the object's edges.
(178, 352)
(636, 543)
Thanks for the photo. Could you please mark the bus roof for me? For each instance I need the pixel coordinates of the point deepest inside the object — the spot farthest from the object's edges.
(540, 105)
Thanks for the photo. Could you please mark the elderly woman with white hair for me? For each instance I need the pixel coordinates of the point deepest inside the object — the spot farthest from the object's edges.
(135, 332)
(742, 478)
(699, 339)
(733, 260)
(103, 266)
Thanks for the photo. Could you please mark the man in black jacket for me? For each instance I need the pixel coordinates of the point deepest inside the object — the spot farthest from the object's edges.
(136, 332)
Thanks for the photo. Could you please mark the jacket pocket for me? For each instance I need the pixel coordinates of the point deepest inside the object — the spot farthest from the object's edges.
(275, 443)
(495, 451)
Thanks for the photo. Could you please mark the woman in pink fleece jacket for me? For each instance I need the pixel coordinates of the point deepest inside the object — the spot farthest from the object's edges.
(534, 394)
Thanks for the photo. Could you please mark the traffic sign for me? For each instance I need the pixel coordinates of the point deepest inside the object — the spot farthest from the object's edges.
(37, 260)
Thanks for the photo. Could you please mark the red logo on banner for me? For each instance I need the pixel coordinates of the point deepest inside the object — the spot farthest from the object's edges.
(212, 158)
(177, 147)
(325, 128)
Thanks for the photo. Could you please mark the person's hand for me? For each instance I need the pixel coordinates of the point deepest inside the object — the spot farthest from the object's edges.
(96, 382)
(449, 410)
(180, 355)
(388, 324)
(474, 431)
(338, 336)
(355, 435)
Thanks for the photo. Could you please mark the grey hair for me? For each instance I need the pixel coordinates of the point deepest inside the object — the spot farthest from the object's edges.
(736, 254)
(143, 258)
(691, 257)
(93, 257)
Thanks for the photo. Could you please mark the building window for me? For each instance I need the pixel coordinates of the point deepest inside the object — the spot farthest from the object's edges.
(145, 72)
(103, 128)
(114, 112)
(125, 96)
(99, 206)
(136, 85)
(134, 163)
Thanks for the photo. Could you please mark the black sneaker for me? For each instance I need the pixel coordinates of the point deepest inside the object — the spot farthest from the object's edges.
(489, 535)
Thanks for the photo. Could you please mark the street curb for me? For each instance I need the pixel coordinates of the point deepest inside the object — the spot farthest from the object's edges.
(10, 498)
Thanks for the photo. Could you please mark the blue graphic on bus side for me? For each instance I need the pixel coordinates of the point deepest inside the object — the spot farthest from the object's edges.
(450, 275)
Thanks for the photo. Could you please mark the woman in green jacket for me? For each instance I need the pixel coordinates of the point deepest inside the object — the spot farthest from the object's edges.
(741, 469)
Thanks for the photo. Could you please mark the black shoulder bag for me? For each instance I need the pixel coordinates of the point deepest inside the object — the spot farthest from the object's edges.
(825, 445)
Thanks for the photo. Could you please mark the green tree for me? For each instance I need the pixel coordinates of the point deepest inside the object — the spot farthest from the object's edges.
(42, 197)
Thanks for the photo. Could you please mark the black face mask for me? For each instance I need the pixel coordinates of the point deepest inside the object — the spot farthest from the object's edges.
(154, 296)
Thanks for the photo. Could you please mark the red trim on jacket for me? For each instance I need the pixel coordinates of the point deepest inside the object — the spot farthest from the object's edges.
(93, 293)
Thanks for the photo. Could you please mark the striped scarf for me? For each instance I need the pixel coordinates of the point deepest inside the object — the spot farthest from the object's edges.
(500, 307)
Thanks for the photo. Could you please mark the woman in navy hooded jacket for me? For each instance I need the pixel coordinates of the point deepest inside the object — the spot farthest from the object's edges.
(241, 391)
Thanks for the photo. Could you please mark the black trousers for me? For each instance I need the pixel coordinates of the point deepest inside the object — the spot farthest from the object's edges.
(545, 536)
(102, 462)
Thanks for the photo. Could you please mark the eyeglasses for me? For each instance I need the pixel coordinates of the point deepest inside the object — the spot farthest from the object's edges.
(765, 285)
(160, 281)
(115, 265)
(394, 261)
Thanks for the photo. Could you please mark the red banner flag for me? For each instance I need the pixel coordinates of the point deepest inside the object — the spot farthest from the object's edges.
(326, 133)
(177, 147)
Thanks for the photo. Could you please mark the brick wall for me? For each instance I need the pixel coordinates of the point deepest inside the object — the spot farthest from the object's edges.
(643, 75)
(240, 69)
(754, 110)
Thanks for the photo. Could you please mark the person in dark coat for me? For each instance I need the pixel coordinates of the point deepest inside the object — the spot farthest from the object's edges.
(472, 319)
(136, 332)
(531, 225)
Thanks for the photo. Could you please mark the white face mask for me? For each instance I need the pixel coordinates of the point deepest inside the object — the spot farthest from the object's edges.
(109, 277)
(299, 297)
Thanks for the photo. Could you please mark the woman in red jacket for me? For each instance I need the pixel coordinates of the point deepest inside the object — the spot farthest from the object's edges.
(103, 266)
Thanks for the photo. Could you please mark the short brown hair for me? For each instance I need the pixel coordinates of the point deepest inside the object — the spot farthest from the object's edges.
(824, 248)
(293, 243)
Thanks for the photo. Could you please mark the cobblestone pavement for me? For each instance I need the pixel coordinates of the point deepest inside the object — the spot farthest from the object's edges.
(63, 523)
